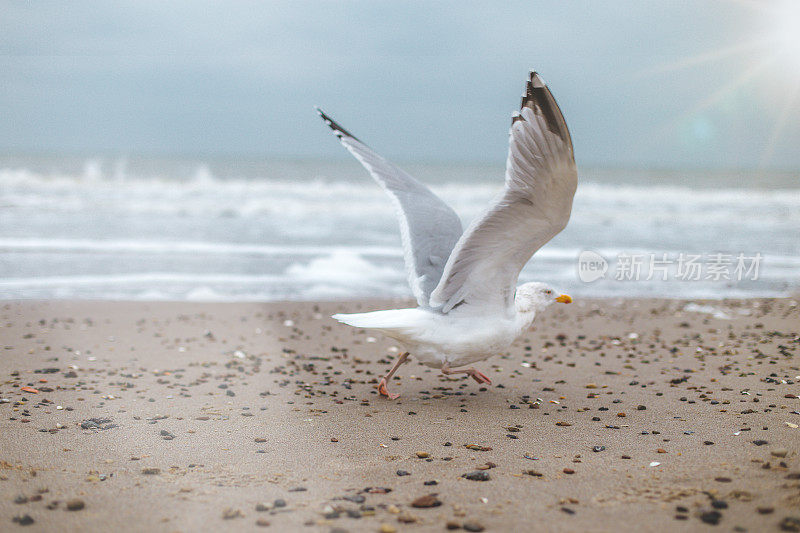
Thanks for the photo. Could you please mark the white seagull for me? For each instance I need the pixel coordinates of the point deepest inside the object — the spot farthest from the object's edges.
(465, 282)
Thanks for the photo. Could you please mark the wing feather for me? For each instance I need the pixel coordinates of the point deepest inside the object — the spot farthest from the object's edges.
(534, 207)
(429, 227)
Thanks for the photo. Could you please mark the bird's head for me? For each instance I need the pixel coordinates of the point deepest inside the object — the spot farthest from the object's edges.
(532, 297)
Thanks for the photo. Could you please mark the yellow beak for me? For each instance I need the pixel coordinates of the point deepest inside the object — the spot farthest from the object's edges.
(564, 299)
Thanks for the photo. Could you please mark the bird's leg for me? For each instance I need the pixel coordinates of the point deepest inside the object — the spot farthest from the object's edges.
(382, 390)
(471, 372)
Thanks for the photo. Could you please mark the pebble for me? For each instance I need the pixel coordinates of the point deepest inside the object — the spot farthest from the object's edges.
(780, 452)
(711, 517)
(262, 507)
(423, 455)
(279, 503)
(478, 475)
(568, 471)
(719, 504)
(403, 473)
(765, 510)
(473, 526)
(151, 471)
(387, 528)
(598, 448)
(26, 520)
(790, 523)
(262, 522)
(230, 513)
(75, 504)
(424, 502)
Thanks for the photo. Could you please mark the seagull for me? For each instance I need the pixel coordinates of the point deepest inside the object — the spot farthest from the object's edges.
(469, 307)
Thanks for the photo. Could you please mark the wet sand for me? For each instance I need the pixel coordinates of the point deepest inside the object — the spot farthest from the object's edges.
(611, 415)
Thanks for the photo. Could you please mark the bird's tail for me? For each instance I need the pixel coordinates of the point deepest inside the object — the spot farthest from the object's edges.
(389, 320)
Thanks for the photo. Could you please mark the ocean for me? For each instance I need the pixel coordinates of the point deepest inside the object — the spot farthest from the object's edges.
(238, 229)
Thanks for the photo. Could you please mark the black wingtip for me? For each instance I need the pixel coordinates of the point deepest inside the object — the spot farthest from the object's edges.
(538, 98)
(337, 129)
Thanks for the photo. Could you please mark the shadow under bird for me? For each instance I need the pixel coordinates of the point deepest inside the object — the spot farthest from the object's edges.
(465, 281)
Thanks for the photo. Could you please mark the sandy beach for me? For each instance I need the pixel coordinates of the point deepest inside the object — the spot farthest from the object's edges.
(611, 415)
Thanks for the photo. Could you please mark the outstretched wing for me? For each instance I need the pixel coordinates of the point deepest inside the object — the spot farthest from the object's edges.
(428, 226)
(535, 205)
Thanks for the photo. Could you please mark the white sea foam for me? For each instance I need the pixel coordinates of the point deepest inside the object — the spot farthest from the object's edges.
(309, 230)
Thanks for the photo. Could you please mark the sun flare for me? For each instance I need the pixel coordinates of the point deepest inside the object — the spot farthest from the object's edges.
(785, 36)
(769, 57)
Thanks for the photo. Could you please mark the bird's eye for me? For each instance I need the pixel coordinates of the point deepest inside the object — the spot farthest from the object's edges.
(548, 291)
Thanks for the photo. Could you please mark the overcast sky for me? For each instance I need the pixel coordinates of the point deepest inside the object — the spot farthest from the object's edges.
(415, 80)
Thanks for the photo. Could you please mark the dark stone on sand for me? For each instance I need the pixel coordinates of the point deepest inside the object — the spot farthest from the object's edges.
(26, 520)
(151, 471)
(711, 517)
(723, 479)
(97, 423)
(21, 499)
(355, 498)
(75, 504)
(279, 503)
(719, 504)
(424, 502)
(760, 442)
(567, 510)
(598, 448)
(298, 489)
(431, 482)
(403, 473)
(477, 475)
(790, 523)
